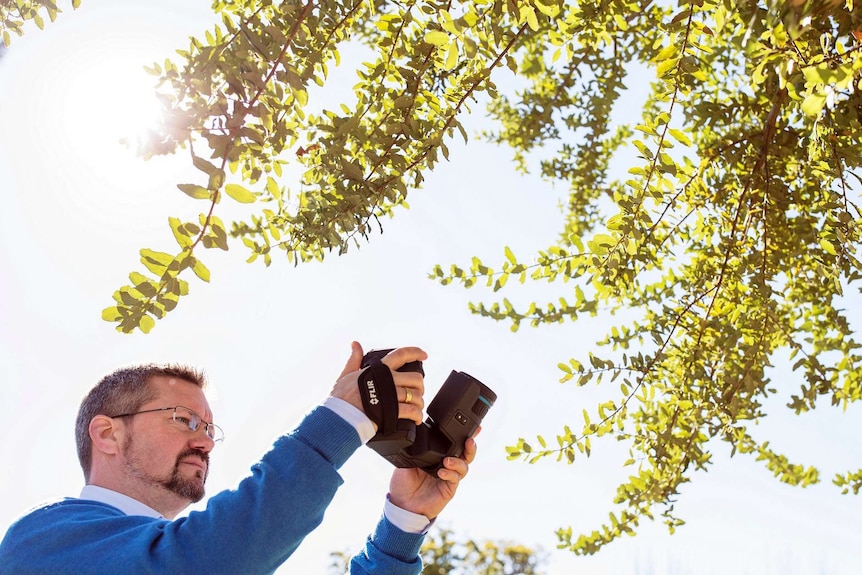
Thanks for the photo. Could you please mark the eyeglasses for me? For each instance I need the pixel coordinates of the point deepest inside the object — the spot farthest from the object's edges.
(185, 417)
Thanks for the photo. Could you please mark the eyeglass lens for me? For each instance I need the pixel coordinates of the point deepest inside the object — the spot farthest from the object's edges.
(187, 417)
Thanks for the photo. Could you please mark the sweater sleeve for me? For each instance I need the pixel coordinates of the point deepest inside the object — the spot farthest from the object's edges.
(389, 550)
(251, 529)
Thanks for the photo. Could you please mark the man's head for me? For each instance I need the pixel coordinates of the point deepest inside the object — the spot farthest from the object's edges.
(133, 435)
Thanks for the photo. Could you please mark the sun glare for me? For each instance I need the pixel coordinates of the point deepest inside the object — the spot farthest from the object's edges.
(88, 97)
(109, 104)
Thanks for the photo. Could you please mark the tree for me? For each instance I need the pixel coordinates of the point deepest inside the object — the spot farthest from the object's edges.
(730, 240)
(16, 12)
(443, 554)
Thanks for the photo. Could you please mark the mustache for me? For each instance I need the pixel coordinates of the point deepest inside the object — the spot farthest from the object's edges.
(191, 452)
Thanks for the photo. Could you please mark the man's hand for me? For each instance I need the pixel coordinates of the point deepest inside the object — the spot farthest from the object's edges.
(414, 490)
(410, 386)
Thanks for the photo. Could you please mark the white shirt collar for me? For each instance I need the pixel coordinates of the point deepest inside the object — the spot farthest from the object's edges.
(116, 499)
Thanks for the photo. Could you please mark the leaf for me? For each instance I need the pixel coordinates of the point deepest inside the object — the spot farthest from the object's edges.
(240, 194)
(147, 323)
(111, 314)
(451, 56)
(201, 270)
(205, 166)
(353, 171)
(615, 222)
(180, 233)
(680, 136)
(528, 14)
(813, 104)
(666, 66)
(273, 188)
(195, 191)
(551, 10)
(156, 262)
(437, 38)
(510, 256)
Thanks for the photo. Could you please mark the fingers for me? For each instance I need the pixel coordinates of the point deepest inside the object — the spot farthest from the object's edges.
(409, 385)
(456, 468)
(470, 449)
(410, 400)
(398, 357)
(411, 396)
(410, 388)
(354, 362)
(410, 411)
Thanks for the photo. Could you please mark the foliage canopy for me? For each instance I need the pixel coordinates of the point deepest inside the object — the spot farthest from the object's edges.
(730, 239)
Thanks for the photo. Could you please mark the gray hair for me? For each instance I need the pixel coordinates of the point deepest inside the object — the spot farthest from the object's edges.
(123, 391)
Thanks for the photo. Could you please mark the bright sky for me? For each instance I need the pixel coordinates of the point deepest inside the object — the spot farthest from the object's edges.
(77, 206)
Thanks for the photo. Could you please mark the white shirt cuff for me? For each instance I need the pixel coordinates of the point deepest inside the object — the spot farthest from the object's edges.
(404, 520)
(355, 417)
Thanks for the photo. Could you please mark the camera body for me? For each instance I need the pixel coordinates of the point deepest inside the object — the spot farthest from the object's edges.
(454, 414)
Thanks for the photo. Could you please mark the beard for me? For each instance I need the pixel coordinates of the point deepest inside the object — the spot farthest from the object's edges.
(187, 488)
(191, 489)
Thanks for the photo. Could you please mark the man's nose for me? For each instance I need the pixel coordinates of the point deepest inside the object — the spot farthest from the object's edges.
(201, 440)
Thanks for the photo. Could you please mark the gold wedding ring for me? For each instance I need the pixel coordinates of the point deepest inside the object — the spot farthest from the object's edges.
(409, 396)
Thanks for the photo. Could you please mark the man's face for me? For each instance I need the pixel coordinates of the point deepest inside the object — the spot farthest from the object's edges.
(165, 454)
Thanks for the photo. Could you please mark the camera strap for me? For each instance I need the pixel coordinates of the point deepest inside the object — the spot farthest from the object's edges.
(379, 397)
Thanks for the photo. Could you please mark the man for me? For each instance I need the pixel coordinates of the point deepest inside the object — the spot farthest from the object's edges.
(144, 437)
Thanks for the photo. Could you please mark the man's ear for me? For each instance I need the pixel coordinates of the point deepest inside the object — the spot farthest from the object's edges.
(105, 434)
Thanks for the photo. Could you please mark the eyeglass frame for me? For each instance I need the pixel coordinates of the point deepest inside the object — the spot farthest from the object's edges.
(217, 433)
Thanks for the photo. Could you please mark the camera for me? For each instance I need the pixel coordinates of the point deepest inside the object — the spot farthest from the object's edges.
(454, 414)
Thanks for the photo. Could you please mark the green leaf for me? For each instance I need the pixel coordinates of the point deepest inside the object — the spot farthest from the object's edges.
(195, 191)
(156, 262)
(510, 256)
(205, 166)
(216, 180)
(813, 104)
(273, 188)
(451, 56)
(180, 234)
(680, 136)
(240, 194)
(111, 314)
(201, 270)
(437, 38)
(528, 14)
(147, 323)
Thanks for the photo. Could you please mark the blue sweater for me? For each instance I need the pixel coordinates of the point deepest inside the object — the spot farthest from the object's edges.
(252, 529)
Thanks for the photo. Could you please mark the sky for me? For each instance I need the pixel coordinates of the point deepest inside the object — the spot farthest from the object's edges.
(76, 206)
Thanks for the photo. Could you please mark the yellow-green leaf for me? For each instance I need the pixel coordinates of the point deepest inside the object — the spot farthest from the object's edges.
(240, 194)
(195, 191)
(201, 270)
(147, 323)
(180, 234)
(111, 314)
(451, 56)
(436, 37)
(813, 104)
